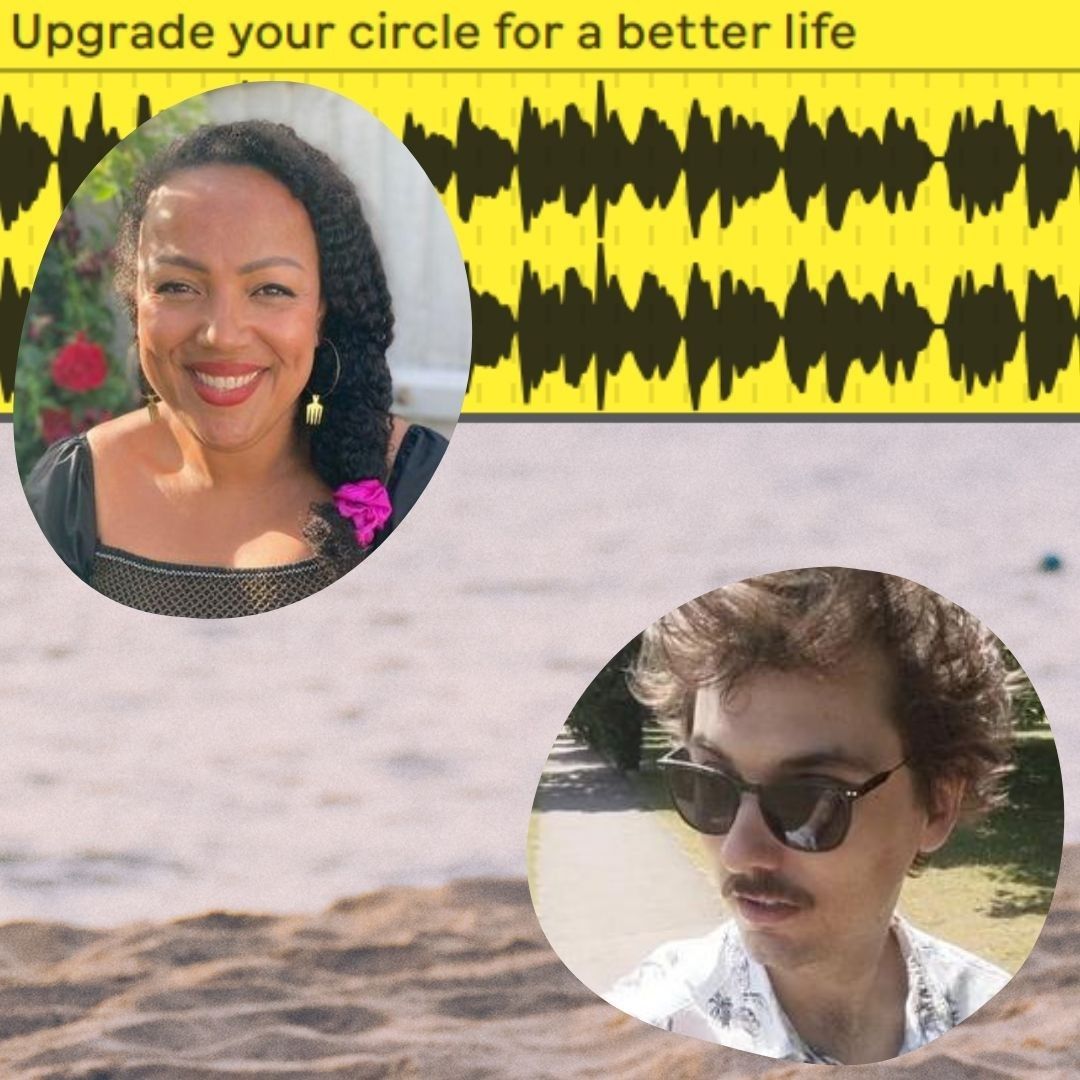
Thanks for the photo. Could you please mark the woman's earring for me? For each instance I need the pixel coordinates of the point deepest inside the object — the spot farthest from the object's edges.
(313, 414)
(152, 405)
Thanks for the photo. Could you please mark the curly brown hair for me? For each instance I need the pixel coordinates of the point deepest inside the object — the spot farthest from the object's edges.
(951, 699)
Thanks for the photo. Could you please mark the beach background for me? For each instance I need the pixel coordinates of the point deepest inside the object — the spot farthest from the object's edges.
(391, 730)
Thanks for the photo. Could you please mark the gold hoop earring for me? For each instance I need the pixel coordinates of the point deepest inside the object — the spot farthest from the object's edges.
(313, 414)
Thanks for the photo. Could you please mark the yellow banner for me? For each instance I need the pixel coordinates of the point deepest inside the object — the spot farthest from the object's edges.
(756, 210)
(419, 34)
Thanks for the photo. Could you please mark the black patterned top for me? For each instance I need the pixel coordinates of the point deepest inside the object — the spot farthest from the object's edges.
(61, 494)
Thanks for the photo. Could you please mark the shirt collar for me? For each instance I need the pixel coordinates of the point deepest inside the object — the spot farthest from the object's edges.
(743, 1001)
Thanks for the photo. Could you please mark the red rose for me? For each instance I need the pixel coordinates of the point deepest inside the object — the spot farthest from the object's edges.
(56, 425)
(79, 365)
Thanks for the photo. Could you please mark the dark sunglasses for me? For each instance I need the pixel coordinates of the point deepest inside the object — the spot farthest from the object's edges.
(804, 813)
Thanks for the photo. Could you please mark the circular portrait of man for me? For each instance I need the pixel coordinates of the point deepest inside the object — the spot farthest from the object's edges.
(244, 352)
(824, 819)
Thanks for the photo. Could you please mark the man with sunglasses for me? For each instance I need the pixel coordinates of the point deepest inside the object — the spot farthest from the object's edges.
(832, 725)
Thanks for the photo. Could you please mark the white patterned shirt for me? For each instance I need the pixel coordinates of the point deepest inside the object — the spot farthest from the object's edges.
(713, 989)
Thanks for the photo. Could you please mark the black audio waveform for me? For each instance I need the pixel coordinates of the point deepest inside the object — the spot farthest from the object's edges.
(28, 157)
(572, 159)
(572, 327)
(13, 301)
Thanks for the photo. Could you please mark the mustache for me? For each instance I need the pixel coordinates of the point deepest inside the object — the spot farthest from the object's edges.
(765, 886)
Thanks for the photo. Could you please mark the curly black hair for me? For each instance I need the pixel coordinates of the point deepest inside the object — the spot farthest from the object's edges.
(353, 439)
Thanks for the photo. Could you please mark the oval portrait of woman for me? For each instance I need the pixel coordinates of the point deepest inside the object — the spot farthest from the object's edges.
(244, 353)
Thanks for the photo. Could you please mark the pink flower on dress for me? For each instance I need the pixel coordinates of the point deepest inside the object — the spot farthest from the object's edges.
(366, 504)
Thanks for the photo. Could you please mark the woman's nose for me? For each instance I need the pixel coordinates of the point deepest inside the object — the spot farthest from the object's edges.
(749, 844)
(225, 326)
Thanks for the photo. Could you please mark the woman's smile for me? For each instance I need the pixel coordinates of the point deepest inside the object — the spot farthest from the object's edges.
(225, 384)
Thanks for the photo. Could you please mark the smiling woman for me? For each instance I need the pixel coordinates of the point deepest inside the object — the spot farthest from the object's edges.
(266, 462)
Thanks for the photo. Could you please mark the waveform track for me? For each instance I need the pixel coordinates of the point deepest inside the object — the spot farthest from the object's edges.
(77, 154)
(27, 160)
(1049, 160)
(843, 330)
(13, 302)
(1049, 326)
(741, 164)
(28, 156)
(982, 328)
(983, 161)
(571, 159)
(571, 328)
(840, 162)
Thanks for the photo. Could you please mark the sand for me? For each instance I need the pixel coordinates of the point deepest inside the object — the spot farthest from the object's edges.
(454, 981)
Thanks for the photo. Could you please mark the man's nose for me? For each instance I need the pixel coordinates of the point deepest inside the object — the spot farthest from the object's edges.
(750, 844)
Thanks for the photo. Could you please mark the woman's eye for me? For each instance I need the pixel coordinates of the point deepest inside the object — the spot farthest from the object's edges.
(173, 288)
(274, 289)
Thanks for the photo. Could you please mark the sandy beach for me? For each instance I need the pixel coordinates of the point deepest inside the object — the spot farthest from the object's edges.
(455, 981)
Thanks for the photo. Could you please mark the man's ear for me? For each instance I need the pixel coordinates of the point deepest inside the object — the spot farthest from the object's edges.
(946, 797)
